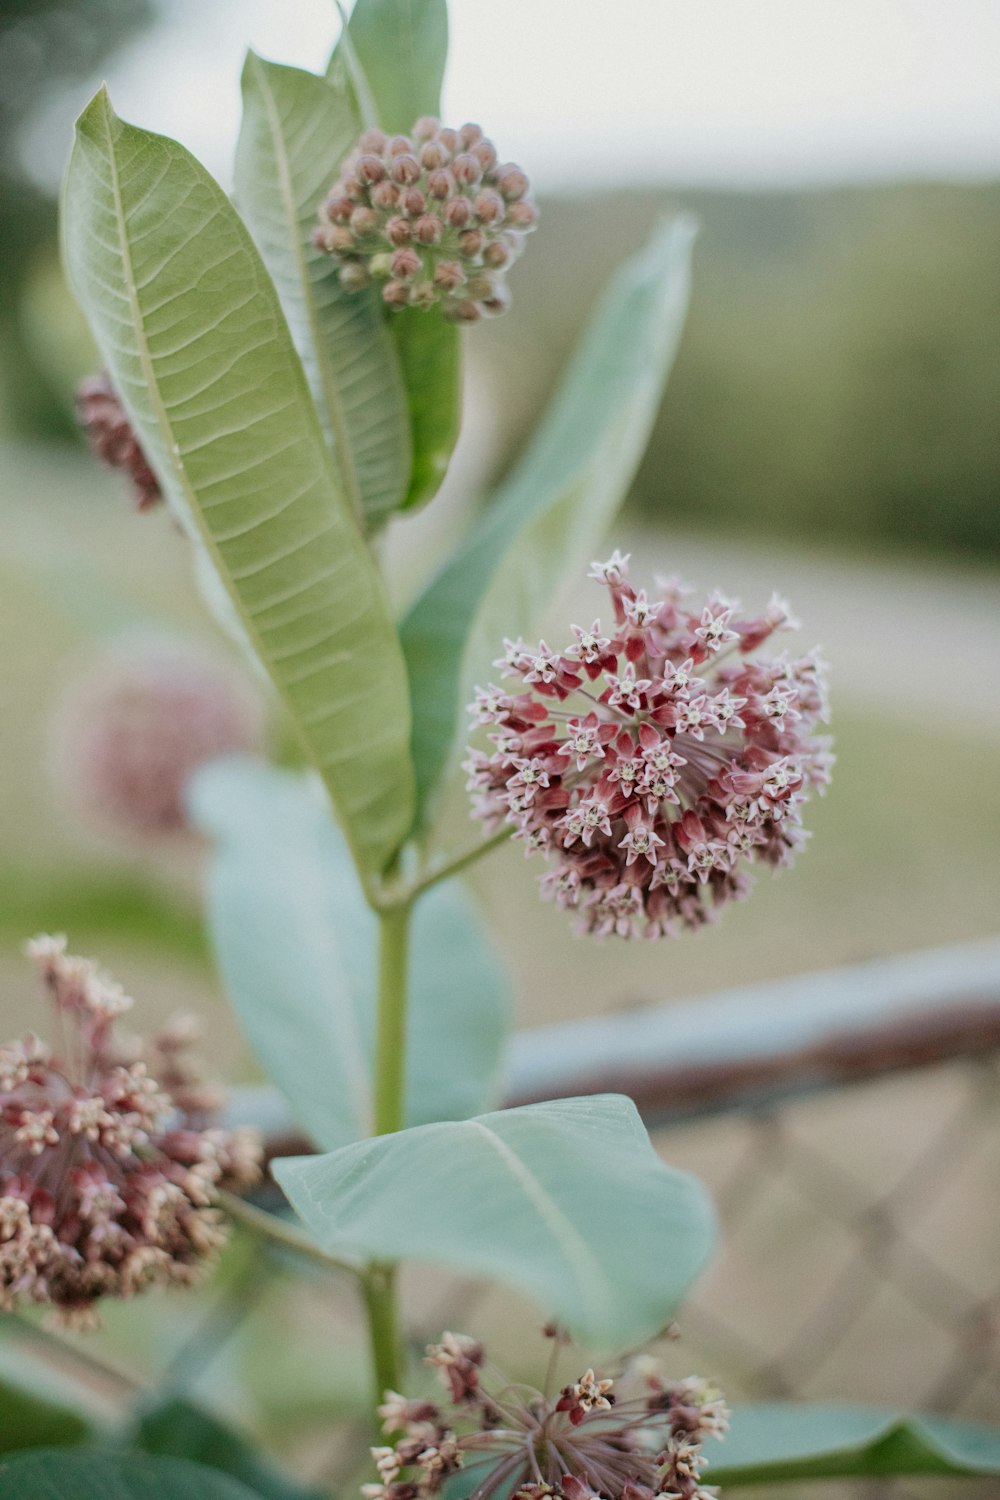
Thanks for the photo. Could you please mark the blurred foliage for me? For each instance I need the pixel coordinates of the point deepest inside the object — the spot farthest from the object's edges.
(838, 375)
(43, 43)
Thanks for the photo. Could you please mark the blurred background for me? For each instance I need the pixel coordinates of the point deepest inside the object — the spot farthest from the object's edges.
(830, 431)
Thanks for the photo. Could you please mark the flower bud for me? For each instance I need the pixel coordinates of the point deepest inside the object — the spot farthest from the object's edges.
(426, 128)
(441, 184)
(470, 242)
(405, 169)
(423, 294)
(433, 156)
(414, 202)
(466, 170)
(385, 195)
(497, 302)
(457, 212)
(405, 263)
(400, 145)
(364, 221)
(449, 139)
(353, 189)
(511, 182)
(428, 229)
(470, 134)
(448, 275)
(496, 255)
(485, 153)
(111, 438)
(399, 231)
(374, 141)
(465, 311)
(370, 168)
(489, 206)
(353, 276)
(338, 209)
(396, 294)
(522, 215)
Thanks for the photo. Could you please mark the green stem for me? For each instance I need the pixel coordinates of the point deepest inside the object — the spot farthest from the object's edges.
(390, 1102)
(269, 1227)
(383, 1329)
(390, 1047)
(460, 862)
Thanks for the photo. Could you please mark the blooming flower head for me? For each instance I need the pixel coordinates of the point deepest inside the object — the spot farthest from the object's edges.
(655, 761)
(634, 1438)
(131, 730)
(433, 215)
(112, 439)
(106, 1178)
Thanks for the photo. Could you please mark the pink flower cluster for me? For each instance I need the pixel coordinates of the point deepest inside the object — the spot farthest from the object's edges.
(113, 440)
(653, 763)
(130, 732)
(641, 1441)
(106, 1179)
(433, 215)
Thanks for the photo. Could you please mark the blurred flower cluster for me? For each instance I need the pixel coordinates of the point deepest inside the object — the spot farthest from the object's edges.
(637, 1438)
(434, 216)
(109, 1158)
(112, 438)
(654, 762)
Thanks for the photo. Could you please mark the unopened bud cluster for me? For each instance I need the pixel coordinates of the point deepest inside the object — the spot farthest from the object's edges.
(432, 215)
(642, 1441)
(112, 439)
(655, 762)
(107, 1179)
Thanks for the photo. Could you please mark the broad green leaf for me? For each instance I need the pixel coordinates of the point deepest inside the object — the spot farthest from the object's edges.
(188, 322)
(178, 1429)
(28, 1420)
(297, 947)
(402, 47)
(429, 350)
(567, 1200)
(769, 1443)
(552, 512)
(76, 1474)
(296, 131)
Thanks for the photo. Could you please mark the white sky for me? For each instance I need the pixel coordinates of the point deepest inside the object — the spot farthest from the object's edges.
(735, 92)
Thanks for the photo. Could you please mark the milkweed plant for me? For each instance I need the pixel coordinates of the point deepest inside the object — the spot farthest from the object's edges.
(282, 371)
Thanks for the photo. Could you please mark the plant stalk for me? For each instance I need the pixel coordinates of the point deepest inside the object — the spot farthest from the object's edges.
(390, 1102)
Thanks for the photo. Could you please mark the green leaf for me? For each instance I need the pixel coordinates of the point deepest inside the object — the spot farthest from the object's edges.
(296, 131)
(402, 47)
(770, 1443)
(297, 948)
(82, 1475)
(180, 1430)
(28, 1420)
(567, 1200)
(553, 510)
(429, 350)
(188, 322)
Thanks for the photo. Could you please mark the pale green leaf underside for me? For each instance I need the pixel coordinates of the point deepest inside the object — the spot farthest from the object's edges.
(566, 1200)
(60, 1474)
(402, 46)
(553, 511)
(297, 948)
(789, 1441)
(296, 131)
(189, 325)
